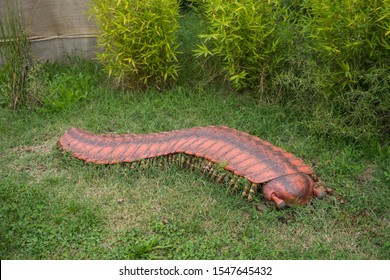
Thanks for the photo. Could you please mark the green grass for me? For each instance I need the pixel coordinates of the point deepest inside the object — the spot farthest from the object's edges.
(53, 206)
(56, 207)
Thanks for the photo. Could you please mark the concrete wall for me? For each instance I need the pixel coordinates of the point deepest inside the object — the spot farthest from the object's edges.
(57, 28)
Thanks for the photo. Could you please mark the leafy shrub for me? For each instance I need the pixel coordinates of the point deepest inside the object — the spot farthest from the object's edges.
(244, 35)
(350, 39)
(53, 86)
(137, 40)
(63, 90)
(350, 35)
(59, 85)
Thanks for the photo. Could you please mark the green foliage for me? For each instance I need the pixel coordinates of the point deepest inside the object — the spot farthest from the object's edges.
(54, 86)
(15, 57)
(63, 90)
(243, 34)
(194, 4)
(136, 245)
(350, 35)
(138, 41)
(351, 41)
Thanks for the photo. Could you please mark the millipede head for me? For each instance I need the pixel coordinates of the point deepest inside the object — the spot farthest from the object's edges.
(297, 188)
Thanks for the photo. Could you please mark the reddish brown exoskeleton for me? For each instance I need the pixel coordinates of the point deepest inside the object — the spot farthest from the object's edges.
(284, 179)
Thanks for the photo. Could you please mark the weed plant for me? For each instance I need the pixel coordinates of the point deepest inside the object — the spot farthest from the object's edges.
(64, 88)
(15, 57)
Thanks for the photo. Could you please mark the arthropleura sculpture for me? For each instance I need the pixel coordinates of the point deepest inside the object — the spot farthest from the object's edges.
(229, 155)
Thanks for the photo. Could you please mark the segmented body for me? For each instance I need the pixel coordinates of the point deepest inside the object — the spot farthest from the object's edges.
(245, 155)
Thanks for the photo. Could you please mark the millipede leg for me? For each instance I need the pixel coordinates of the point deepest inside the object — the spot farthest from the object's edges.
(203, 164)
(234, 184)
(221, 178)
(190, 164)
(178, 160)
(167, 160)
(193, 163)
(252, 192)
(182, 162)
(318, 191)
(210, 171)
(214, 175)
(207, 168)
(170, 158)
(226, 179)
(134, 165)
(235, 188)
(245, 192)
(198, 163)
(160, 163)
(143, 164)
(319, 194)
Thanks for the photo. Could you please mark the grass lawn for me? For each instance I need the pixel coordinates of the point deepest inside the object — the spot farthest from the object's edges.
(55, 207)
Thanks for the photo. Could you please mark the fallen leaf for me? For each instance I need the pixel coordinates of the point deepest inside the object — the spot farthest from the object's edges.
(329, 191)
(260, 207)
